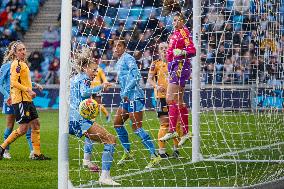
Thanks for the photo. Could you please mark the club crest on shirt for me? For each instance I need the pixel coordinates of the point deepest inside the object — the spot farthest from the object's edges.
(27, 113)
(18, 69)
(87, 82)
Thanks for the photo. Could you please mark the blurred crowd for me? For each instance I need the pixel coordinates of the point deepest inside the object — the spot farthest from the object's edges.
(241, 41)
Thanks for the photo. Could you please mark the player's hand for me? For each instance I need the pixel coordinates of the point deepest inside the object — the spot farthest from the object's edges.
(125, 99)
(9, 101)
(107, 85)
(179, 52)
(39, 87)
(161, 89)
(31, 93)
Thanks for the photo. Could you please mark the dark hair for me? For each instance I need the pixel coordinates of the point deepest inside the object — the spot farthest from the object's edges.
(170, 7)
(121, 40)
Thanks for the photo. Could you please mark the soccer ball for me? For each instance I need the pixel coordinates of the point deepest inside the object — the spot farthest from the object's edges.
(89, 109)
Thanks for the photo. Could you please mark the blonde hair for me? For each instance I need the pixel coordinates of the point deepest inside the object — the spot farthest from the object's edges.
(82, 58)
(10, 52)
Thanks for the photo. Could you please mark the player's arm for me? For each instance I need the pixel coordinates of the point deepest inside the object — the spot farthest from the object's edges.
(2, 77)
(103, 76)
(190, 49)
(133, 76)
(87, 91)
(152, 73)
(37, 86)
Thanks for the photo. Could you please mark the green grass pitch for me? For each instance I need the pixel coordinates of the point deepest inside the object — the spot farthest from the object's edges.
(227, 135)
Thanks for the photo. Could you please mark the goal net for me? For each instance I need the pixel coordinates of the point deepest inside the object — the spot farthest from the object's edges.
(241, 91)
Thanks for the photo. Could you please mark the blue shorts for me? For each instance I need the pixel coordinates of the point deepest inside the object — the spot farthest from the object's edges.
(7, 109)
(133, 106)
(78, 128)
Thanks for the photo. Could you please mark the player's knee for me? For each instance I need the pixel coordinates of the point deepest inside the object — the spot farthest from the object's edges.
(111, 139)
(164, 126)
(23, 129)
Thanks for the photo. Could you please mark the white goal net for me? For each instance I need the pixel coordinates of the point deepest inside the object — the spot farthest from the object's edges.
(241, 91)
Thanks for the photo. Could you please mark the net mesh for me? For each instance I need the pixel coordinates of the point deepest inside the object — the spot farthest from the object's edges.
(241, 118)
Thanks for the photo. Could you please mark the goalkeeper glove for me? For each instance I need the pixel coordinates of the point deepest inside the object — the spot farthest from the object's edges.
(179, 52)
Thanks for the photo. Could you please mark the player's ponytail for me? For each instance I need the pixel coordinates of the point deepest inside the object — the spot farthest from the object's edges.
(83, 58)
(9, 53)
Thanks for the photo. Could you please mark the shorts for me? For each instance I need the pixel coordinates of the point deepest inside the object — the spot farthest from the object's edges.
(9, 110)
(162, 107)
(133, 106)
(78, 128)
(25, 112)
(179, 72)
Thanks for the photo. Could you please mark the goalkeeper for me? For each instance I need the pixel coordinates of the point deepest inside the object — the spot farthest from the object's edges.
(78, 126)
(179, 53)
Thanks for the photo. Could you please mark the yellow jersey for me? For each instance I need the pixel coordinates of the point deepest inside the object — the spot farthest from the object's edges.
(20, 82)
(99, 79)
(159, 69)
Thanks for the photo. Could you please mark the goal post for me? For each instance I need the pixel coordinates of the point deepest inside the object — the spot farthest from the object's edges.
(196, 155)
(64, 93)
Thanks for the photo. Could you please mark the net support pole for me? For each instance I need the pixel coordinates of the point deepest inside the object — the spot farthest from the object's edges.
(65, 49)
(196, 156)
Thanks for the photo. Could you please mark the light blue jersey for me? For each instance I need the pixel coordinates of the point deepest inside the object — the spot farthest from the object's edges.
(80, 90)
(129, 77)
(5, 80)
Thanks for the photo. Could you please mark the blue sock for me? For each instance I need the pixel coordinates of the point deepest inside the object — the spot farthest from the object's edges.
(7, 132)
(107, 156)
(123, 137)
(88, 146)
(146, 140)
(28, 136)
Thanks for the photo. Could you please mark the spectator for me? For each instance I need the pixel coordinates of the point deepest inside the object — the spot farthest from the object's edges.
(52, 76)
(51, 38)
(36, 58)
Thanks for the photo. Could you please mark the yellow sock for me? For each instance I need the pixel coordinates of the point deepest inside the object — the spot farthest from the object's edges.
(180, 133)
(162, 132)
(36, 141)
(104, 110)
(12, 137)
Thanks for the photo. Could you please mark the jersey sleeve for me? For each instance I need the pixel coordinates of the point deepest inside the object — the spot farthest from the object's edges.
(3, 74)
(190, 49)
(15, 75)
(103, 76)
(86, 90)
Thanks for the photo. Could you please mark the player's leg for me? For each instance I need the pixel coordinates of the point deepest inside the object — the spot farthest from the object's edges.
(10, 121)
(162, 111)
(29, 140)
(172, 100)
(119, 119)
(88, 149)
(183, 114)
(20, 114)
(100, 134)
(35, 133)
(136, 117)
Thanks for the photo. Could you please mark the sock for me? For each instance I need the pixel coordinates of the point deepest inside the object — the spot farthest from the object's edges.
(180, 133)
(36, 141)
(173, 116)
(175, 148)
(11, 138)
(7, 132)
(146, 140)
(104, 110)
(162, 131)
(123, 137)
(28, 136)
(105, 174)
(184, 118)
(107, 156)
(88, 148)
